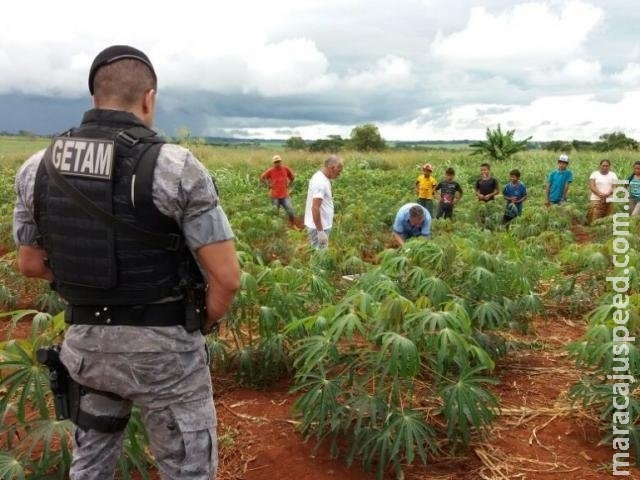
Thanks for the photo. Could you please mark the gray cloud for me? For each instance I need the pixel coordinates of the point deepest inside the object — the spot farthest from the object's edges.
(416, 68)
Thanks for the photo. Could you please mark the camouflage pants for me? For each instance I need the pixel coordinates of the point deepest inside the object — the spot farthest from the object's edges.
(173, 391)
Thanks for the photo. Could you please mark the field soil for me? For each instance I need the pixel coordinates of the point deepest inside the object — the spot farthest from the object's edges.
(539, 434)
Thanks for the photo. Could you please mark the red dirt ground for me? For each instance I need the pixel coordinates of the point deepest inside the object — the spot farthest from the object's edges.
(538, 436)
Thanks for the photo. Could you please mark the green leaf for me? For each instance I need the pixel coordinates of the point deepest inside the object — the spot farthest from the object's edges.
(11, 468)
(399, 355)
(468, 406)
(490, 314)
(344, 326)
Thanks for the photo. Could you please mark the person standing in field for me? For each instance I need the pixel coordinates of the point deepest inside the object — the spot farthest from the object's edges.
(411, 221)
(319, 209)
(486, 186)
(425, 187)
(558, 182)
(278, 178)
(118, 235)
(634, 190)
(450, 194)
(601, 184)
(514, 193)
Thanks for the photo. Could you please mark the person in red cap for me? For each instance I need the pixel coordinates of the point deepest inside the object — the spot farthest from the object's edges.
(278, 178)
(425, 187)
(129, 230)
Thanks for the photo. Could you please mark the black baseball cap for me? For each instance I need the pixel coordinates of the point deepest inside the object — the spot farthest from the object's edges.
(113, 54)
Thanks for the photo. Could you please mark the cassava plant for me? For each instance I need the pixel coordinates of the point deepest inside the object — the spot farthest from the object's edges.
(34, 443)
(599, 354)
(368, 366)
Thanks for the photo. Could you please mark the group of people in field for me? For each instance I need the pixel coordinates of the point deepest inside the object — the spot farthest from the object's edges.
(439, 198)
(413, 219)
(448, 192)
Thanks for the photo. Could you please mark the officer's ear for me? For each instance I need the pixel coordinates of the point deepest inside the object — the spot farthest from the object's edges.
(149, 106)
(149, 101)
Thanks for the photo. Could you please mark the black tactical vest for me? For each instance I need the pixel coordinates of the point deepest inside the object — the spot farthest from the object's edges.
(93, 262)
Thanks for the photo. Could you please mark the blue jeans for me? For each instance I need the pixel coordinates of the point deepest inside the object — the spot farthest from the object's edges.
(285, 203)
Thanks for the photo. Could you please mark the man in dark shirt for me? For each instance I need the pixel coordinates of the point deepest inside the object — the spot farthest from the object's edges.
(450, 194)
(486, 186)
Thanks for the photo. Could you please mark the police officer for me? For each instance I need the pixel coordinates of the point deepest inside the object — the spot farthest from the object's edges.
(113, 218)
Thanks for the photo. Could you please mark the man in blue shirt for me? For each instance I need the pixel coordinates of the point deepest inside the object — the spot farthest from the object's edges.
(558, 182)
(412, 220)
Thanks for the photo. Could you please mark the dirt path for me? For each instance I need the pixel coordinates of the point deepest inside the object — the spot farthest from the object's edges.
(540, 435)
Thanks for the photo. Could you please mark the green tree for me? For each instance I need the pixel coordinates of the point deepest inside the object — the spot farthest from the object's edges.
(582, 145)
(331, 144)
(615, 141)
(499, 145)
(559, 146)
(295, 143)
(367, 138)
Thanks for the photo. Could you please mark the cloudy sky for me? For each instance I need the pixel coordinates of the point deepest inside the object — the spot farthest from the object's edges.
(418, 69)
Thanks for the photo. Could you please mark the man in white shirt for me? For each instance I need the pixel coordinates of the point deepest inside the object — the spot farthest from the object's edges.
(318, 213)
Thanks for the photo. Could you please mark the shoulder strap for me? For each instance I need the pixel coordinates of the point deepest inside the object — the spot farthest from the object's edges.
(138, 134)
(171, 242)
(144, 176)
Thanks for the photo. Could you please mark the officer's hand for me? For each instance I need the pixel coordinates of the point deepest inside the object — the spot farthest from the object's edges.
(210, 327)
(323, 239)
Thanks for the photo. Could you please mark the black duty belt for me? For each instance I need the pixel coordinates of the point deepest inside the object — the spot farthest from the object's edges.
(149, 315)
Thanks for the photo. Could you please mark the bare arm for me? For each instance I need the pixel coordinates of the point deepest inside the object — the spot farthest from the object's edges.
(459, 194)
(546, 193)
(398, 238)
(496, 191)
(221, 266)
(31, 263)
(315, 213)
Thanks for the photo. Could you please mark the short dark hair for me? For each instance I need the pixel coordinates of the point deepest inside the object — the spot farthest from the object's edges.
(450, 171)
(113, 54)
(605, 160)
(416, 211)
(123, 82)
(637, 164)
(485, 165)
(515, 172)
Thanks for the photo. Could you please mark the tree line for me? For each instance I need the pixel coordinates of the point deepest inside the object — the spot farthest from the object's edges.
(498, 145)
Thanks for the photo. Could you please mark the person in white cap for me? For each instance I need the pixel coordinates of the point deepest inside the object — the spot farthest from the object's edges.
(278, 178)
(558, 182)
